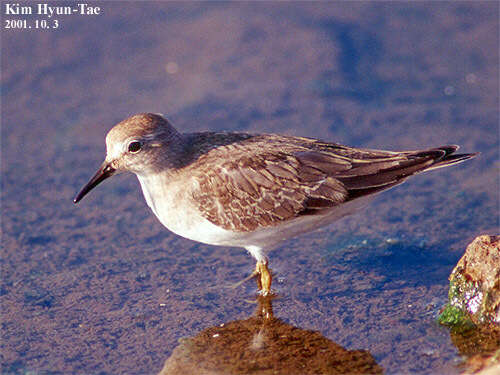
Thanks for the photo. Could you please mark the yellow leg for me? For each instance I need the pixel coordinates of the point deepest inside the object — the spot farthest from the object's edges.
(264, 278)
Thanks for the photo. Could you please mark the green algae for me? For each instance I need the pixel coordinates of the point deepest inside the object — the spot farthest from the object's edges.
(466, 303)
(456, 318)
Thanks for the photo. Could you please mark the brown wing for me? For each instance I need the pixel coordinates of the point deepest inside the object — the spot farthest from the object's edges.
(267, 183)
(263, 191)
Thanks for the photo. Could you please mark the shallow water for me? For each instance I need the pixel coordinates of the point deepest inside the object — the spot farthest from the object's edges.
(102, 287)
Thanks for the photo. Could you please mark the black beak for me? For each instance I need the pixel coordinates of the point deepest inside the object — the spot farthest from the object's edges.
(105, 171)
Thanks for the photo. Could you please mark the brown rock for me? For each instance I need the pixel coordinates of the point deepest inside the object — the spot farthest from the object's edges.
(473, 308)
(475, 282)
(481, 263)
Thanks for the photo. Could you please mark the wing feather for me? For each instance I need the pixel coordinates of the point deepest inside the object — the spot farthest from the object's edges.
(266, 180)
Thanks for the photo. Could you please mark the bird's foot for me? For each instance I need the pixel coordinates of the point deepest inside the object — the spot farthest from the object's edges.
(264, 278)
(262, 274)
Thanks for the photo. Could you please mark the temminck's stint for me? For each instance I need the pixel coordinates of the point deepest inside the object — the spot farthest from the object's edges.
(252, 191)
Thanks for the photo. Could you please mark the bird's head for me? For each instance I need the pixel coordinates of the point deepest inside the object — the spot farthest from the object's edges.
(142, 144)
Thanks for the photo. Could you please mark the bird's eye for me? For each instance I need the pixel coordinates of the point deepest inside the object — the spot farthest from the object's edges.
(134, 147)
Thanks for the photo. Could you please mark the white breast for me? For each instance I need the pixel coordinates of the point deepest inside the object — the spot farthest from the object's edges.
(170, 202)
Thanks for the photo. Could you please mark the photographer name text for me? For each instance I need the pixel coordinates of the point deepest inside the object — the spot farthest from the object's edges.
(46, 16)
(44, 9)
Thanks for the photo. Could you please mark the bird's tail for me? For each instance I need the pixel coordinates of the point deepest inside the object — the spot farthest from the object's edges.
(447, 158)
(378, 175)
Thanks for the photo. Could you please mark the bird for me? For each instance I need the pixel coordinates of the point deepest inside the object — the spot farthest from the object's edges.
(253, 191)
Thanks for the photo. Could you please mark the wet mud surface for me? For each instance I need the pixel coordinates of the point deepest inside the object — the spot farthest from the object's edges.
(102, 287)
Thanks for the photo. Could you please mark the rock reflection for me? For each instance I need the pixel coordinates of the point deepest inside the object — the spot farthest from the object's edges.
(479, 348)
(264, 344)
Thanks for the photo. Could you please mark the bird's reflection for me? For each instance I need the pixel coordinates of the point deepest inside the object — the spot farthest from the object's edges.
(264, 344)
